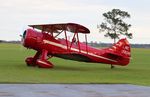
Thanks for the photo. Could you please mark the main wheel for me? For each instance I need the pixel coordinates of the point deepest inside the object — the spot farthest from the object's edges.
(30, 61)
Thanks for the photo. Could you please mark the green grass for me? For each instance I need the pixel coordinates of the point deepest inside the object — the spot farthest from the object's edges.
(14, 70)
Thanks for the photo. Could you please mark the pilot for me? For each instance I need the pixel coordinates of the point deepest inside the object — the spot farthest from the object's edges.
(74, 40)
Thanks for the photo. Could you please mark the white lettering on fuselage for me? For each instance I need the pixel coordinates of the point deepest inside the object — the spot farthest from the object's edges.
(125, 52)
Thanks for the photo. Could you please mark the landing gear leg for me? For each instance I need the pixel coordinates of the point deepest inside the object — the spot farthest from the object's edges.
(42, 61)
(112, 66)
(31, 61)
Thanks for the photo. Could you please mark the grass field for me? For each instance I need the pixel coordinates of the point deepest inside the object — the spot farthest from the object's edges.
(14, 70)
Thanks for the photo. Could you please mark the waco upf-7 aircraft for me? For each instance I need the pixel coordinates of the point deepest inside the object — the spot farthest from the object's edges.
(44, 39)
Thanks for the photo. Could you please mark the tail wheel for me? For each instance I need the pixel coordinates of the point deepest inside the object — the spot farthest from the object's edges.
(112, 66)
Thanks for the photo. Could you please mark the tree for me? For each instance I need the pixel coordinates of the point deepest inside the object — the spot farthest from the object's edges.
(113, 24)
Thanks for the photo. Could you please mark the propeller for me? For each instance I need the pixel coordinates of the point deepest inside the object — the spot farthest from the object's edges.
(21, 46)
(22, 37)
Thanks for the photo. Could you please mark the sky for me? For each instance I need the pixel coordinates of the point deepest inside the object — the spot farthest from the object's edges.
(15, 15)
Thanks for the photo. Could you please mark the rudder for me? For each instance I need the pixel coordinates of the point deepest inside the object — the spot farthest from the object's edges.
(122, 47)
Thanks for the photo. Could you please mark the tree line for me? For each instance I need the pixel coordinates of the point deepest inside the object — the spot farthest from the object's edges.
(100, 44)
(94, 44)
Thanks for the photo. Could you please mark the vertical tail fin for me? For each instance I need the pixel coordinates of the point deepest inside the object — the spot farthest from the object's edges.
(122, 47)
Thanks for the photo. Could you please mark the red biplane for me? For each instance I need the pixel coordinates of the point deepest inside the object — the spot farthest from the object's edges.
(44, 39)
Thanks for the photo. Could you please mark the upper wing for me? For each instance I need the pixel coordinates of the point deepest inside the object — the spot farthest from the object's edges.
(71, 27)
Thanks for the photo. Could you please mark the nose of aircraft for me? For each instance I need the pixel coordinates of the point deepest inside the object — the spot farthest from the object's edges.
(29, 38)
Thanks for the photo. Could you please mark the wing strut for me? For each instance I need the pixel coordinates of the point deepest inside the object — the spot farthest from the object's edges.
(86, 43)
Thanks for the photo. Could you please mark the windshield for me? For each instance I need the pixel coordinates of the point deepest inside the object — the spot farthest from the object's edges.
(24, 34)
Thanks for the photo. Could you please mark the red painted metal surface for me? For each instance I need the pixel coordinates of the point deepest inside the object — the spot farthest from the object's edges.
(47, 45)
